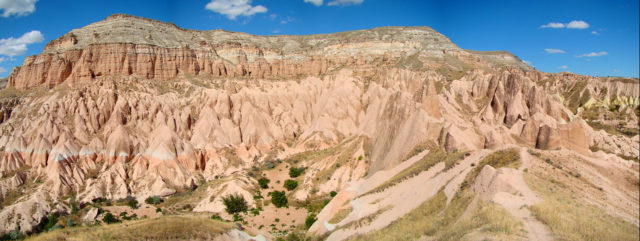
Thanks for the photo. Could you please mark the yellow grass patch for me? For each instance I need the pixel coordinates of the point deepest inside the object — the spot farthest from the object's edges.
(570, 218)
(163, 228)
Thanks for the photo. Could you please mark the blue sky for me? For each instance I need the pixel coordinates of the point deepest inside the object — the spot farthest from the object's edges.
(586, 37)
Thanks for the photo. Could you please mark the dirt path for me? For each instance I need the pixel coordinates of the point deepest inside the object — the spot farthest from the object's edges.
(535, 229)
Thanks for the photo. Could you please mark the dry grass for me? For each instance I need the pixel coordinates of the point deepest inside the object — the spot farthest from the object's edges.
(488, 218)
(434, 218)
(573, 219)
(163, 228)
(11, 92)
(431, 159)
(421, 220)
(502, 158)
(342, 214)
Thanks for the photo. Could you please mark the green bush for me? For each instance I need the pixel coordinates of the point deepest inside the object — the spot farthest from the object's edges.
(109, 218)
(263, 183)
(279, 199)
(153, 200)
(132, 203)
(47, 223)
(333, 193)
(310, 220)
(295, 172)
(235, 203)
(216, 217)
(290, 184)
(293, 237)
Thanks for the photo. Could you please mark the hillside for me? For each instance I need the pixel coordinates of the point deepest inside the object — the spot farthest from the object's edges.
(388, 133)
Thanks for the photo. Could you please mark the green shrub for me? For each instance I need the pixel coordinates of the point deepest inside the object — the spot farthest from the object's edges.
(153, 200)
(74, 205)
(279, 199)
(109, 218)
(295, 172)
(333, 193)
(290, 184)
(255, 212)
(310, 220)
(237, 218)
(235, 203)
(132, 203)
(216, 217)
(158, 210)
(258, 196)
(263, 183)
(47, 223)
(293, 237)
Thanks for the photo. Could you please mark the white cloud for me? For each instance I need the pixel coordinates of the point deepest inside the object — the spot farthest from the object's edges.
(17, 7)
(273, 16)
(314, 2)
(288, 20)
(593, 54)
(578, 24)
(18, 46)
(318, 3)
(553, 25)
(234, 8)
(554, 51)
(563, 67)
(575, 24)
(2, 70)
(528, 62)
(595, 32)
(344, 2)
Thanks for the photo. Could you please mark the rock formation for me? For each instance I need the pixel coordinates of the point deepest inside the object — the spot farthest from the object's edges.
(136, 107)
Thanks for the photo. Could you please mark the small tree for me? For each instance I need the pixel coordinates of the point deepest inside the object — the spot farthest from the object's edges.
(295, 172)
(279, 199)
(109, 218)
(153, 200)
(263, 183)
(132, 203)
(290, 184)
(235, 203)
(310, 220)
(333, 193)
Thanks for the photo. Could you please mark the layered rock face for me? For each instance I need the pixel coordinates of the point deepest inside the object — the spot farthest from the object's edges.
(136, 107)
(125, 45)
